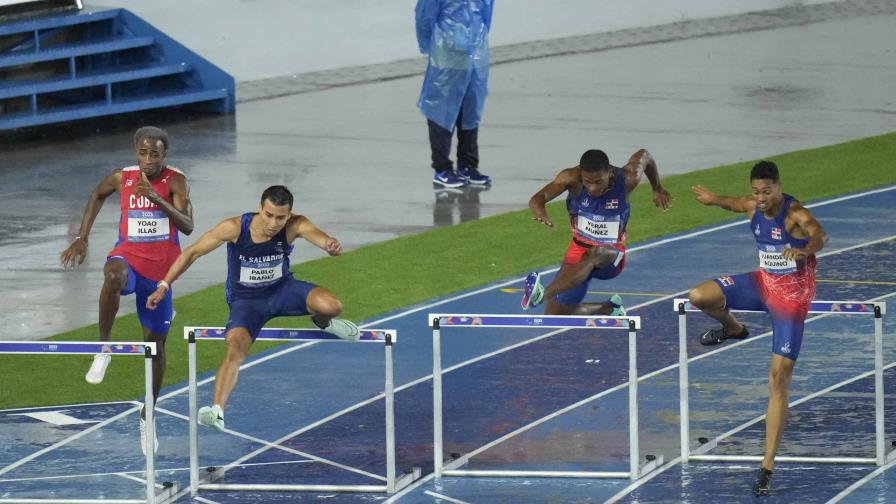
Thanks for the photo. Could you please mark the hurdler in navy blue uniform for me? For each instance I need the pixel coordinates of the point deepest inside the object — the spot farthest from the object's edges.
(597, 203)
(787, 238)
(260, 285)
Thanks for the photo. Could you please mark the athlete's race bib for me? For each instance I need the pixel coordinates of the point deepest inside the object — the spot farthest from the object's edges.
(598, 228)
(771, 260)
(147, 226)
(259, 274)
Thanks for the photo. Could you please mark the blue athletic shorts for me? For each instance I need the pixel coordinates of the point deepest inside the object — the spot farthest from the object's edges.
(158, 321)
(742, 292)
(287, 299)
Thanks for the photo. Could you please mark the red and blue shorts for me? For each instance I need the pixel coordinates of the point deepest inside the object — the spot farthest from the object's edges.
(574, 255)
(786, 298)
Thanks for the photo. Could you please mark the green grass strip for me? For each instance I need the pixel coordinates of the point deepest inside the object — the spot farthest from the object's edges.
(381, 277)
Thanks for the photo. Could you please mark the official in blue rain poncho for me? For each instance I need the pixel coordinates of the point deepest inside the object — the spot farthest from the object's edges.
(454, 33)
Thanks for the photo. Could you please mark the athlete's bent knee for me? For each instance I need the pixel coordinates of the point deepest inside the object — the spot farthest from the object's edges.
(704, 297)
(115, 274)
(324, 303)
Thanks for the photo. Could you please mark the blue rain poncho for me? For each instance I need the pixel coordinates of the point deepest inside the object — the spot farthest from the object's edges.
(454, 33)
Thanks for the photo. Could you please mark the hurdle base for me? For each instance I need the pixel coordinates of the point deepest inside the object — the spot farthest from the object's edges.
(73, 501)
(759, 458)
(170, 492)
(405, 480)
(167, 494)
(653, 463)
(212, 474)
(450, 470)
(536, 474)
(215, 474)
(293, 488)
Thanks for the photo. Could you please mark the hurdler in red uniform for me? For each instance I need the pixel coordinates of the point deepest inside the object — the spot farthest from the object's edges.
(155, 205)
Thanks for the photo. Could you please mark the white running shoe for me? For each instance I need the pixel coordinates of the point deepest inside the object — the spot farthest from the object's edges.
(143, 438)
(97, 370)
(343, 329)
(212, 416)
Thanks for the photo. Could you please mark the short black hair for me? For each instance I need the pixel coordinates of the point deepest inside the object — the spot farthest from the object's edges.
(278, 195)
(151, 133)
(594, 161)
(765, 170)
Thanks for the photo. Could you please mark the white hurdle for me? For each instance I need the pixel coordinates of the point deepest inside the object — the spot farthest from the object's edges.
(132, 348)
(387, 337)
(632, 324)
(857, 308)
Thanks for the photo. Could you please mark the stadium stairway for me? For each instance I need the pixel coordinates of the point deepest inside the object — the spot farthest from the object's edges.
(78, 64)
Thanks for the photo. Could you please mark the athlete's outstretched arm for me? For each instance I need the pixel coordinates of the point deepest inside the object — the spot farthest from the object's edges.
(642, 163)
(227, 230)
(302, 226)
(76, 252)
(561, 183)
(817, 236)
(740, 204)
(180, 210)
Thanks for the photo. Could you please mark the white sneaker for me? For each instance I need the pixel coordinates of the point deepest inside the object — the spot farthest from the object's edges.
(343, 329)
(143, 438)
(97, 370)
(211, 416)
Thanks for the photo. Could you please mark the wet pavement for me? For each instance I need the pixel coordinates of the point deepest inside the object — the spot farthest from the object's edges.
(356, 156)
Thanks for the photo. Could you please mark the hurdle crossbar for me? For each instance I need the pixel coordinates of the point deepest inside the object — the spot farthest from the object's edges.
(630, 323)
(134, 348)
(860, 308)
(387, 337)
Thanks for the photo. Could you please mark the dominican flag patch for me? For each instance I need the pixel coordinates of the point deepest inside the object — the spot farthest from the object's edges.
(727, 281)
(612, 204)
(776, 233)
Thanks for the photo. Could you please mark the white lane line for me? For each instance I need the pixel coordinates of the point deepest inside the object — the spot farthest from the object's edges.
(643, 480)
(445, 497)
(67, 406)
(868, 477)
(268, 445)
(165, 470)
(67, 440)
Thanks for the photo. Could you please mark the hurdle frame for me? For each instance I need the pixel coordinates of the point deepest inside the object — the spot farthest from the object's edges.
(387, 337)
(861, 308)
(145, 348)
(630, 323)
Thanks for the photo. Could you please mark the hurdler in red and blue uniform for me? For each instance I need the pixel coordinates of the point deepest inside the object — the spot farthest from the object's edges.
(147, 243)
(782, 287)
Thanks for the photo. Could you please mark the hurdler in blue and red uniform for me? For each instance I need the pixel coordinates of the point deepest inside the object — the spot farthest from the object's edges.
(597, 203)
(155, 206)
(787, 237)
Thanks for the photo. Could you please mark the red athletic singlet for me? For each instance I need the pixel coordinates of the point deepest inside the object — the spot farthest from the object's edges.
(147, 238)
